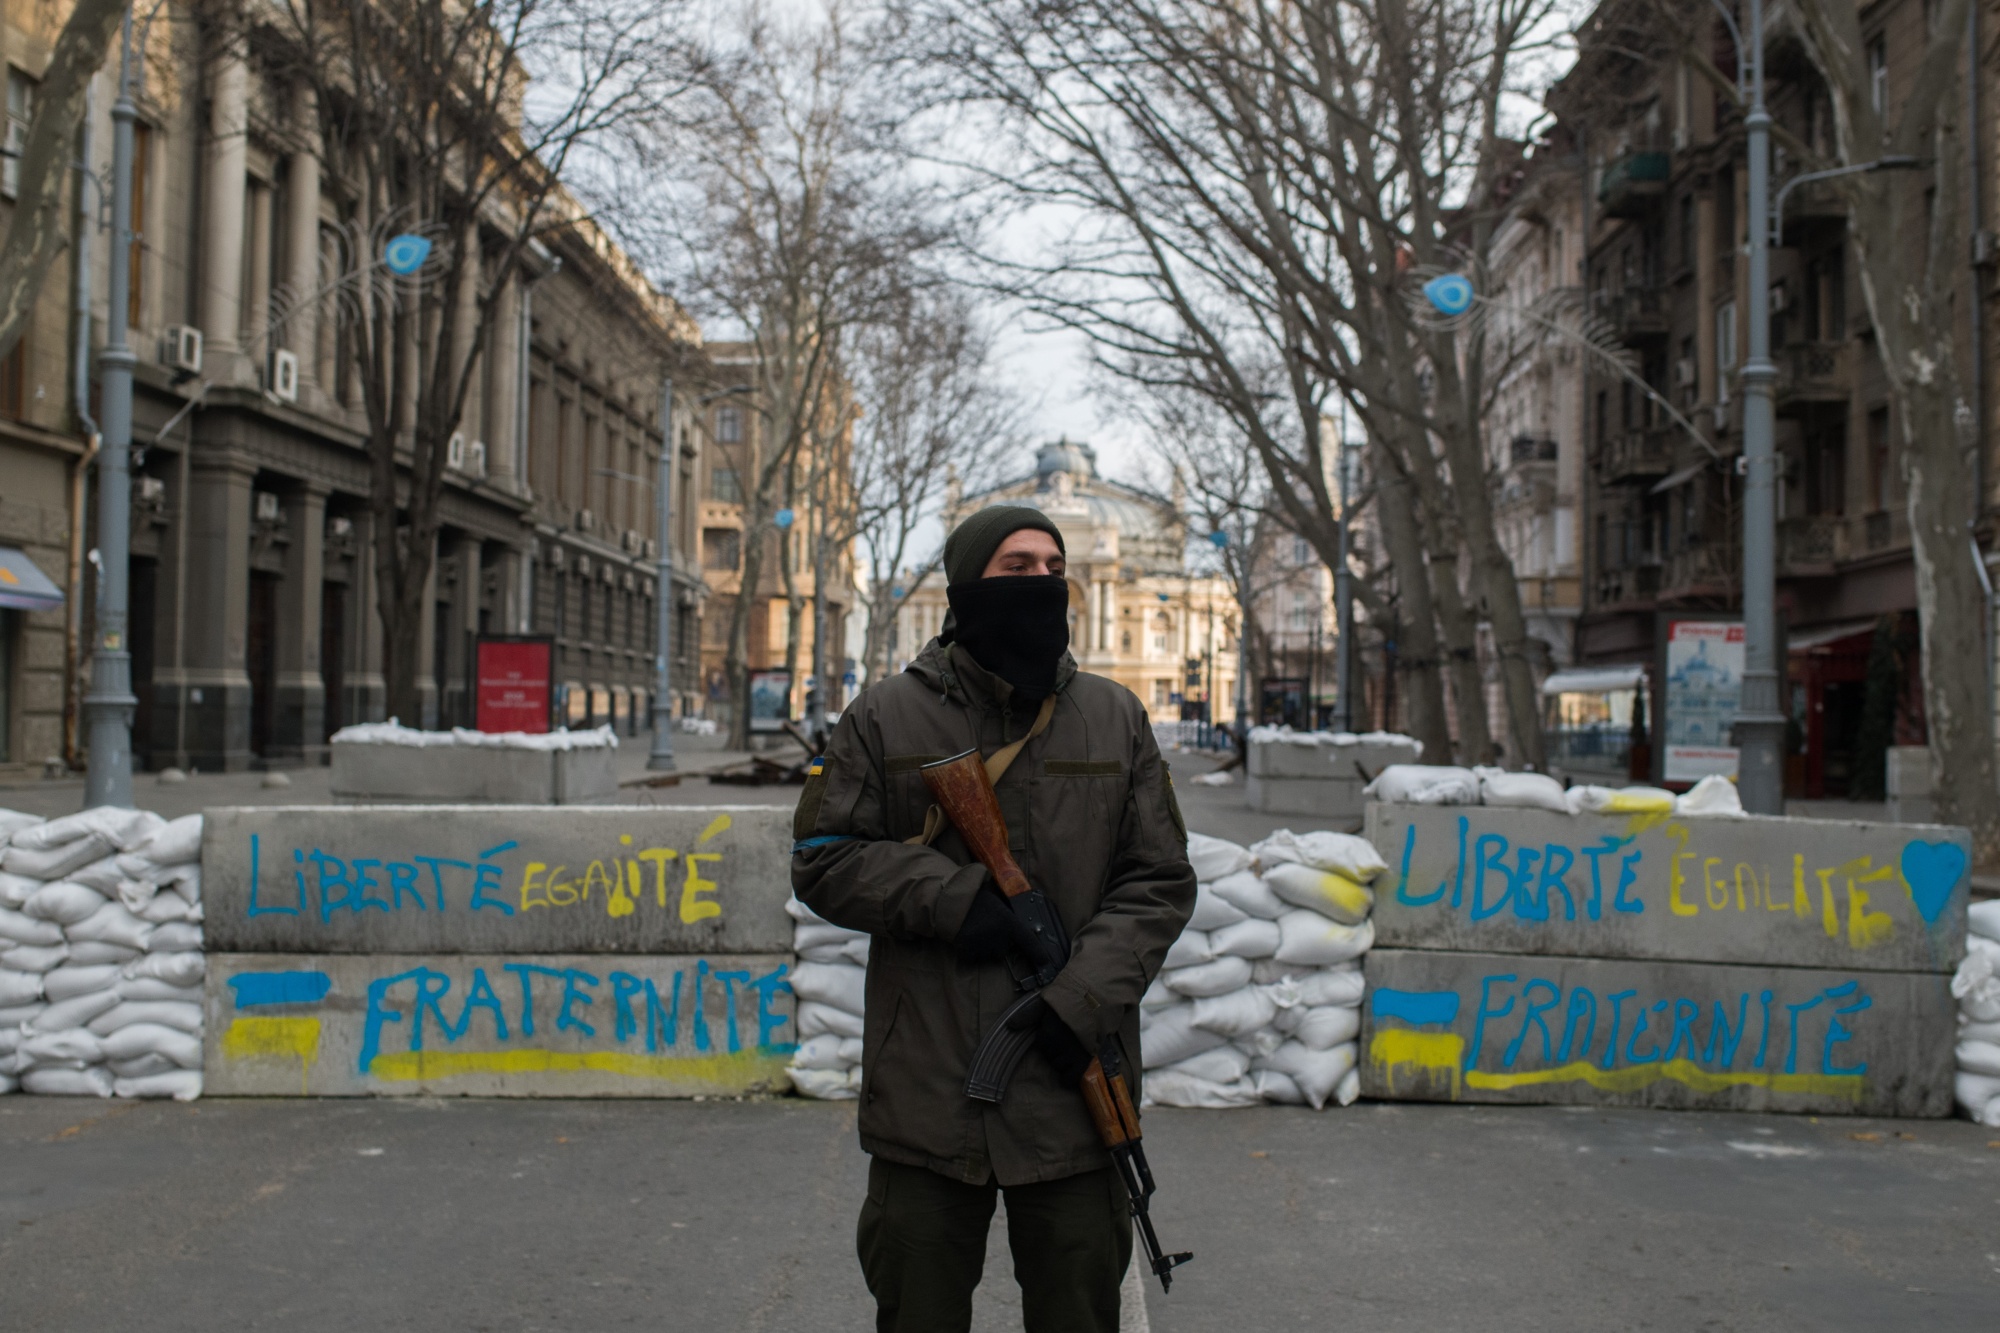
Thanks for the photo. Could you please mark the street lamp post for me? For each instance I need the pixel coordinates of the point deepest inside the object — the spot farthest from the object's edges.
(110, 702)
(662, 757)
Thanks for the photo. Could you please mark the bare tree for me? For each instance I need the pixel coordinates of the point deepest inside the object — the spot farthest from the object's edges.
(35, 233)
(428, 127)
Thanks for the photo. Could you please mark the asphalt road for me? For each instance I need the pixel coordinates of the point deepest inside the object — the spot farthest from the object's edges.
(518, 1216)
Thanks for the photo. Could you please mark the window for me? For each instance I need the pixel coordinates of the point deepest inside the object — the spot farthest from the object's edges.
(725, 486)
(14, 380)
(1725, 348)
(721, 548)
(1301, 551)
(1162, 693)
(1878, 74)
(20, 110)
(1163, 631)
(728, 425)
(1878, 459)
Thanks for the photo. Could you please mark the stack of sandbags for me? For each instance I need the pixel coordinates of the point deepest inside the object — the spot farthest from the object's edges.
(1977, 986)
(100, 955)
(1442, 784)
(830, 980)
(1260, 997)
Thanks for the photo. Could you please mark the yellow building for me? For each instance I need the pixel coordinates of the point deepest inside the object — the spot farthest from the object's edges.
(1138, 611)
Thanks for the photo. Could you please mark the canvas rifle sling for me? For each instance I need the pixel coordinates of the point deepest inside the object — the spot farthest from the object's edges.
(1001, 760)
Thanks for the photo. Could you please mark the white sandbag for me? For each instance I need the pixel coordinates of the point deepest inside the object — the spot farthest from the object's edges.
(174, 937)
(176, 969)
(17, 1062)
(827, 1085)
(1265, 971)
(1713, 797)
(89, 953)
(143, 1067)
(183, 880)
(93, 1082)
(1211, 912)
(1983, 919)
(139, 894)
(1970, 1031)
(13, 821)
(112, 924)
(1328, 892)
(1592, 800)
(24, 929)
(1189, 949)
(1224, 1064)
(798, 911)
(183, 1085)
(816, 1019)
(1250, 895)
(821, 1052)
(1991, 948)
(811, 934)
(71, 1044)
(64, 903)
(1527, 791)
(1250, 938)
(1316, 1072)
(1976, 988)
(79, 1010)
(1341, 986)
(55, 862)
(853, 950)
(1273, 1086)
(146, 988)
(173, 843)
(19, 988)
(1258, 1044)
(1212, 858)
(122, 826)
(1157, 996)
(10, 1040)
(8, 1083)
(1235, 1013)
(1311, 940)
(186, 1017)
(1169, 1036)
(1979, 1096)
(839, 984)
(31, 958)
(1285, 1020)
(1424, 784)
(104, 876)
(1978, 1057)
(137, 1039)
(15, 890)
(1326, 1027)
(161, 908)
(1342, 853)
(66, 983)
(1170, 1087)
(15, 1015)
(1348, 1090)
(1224, 974)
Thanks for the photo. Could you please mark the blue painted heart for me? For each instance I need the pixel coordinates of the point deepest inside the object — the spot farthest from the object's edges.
(1933, 871)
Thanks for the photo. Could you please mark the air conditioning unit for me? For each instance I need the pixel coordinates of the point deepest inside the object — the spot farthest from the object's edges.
(180, 348)
(1684, 372)
(1778, 298)
(267, 509)
(584, 520)
(340, 528)
(454, 452)
(651, 549)
(284, 375)
(476, 459)
(151, 490)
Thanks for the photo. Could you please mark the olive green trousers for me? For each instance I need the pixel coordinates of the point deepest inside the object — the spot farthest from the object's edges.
(922, 1241)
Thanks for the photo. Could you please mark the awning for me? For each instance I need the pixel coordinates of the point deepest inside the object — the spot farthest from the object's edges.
(1820, 638)
(24, 587)
(1595, 680)
(1680, 478)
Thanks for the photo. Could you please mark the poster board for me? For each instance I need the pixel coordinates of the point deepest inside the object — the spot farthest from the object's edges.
(513, 682)
(770, 700)
(1699, 693)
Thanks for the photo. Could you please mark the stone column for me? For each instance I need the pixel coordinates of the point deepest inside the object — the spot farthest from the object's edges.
(511, 614)
(464, 325)
(367, 691)
(222, 222)
(257, 299)
(459, 628)
(301, 712)
(504, 382)
(217, 686)
(301, 332)
(427, 694)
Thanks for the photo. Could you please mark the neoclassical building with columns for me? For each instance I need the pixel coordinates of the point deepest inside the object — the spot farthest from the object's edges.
(255, 631)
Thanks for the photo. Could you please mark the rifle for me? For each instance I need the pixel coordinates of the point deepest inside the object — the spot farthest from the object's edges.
(964, 792)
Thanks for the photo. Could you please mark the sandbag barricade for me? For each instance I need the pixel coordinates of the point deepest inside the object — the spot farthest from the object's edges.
(1651, 955)
(1318, 773)
(498, 951)
(101, 954)
(1976, 986)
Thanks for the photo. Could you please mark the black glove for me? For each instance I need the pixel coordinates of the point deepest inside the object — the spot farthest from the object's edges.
(991, 930)
(1066, 1055)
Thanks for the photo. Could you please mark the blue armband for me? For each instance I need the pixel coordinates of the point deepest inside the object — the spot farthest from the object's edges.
(809, 843)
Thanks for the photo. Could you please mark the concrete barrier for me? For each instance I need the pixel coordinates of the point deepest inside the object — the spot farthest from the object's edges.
(1505, 1028)
(1797, 892)
(496, 1025)
(369, 772)
(1306, 773)
(491, 879)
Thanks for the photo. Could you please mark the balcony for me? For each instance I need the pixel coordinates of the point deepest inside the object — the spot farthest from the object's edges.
(1812, 373)
(1526, 449)
(1637, 313)
(1632, 184)
(1710, 570)
(1637, 455)
(1812, 545)
(1635, 588)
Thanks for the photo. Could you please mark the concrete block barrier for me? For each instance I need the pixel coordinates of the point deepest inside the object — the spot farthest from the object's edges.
(1331, 798)
(494, 879)
(1488, 1027)
(1791, 892)
(373, 772)
(497, 1025)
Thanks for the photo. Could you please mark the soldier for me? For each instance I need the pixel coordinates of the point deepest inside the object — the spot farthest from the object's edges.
(1092, 821)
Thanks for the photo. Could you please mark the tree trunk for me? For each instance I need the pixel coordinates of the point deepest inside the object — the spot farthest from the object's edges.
(1395, 506)
(1460, 628)
(736, 662)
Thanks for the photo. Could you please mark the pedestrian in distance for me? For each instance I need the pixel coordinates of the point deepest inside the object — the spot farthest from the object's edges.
(1091, 820)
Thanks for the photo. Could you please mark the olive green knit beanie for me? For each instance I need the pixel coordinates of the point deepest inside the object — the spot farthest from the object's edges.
(973, 542)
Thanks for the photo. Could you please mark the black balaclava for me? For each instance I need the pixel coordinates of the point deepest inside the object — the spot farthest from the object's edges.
(1017, 625)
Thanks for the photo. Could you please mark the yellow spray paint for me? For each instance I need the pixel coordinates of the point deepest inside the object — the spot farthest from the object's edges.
(1634, 1077)
(435, 1066)
(1430, 1053)
(274, 1038)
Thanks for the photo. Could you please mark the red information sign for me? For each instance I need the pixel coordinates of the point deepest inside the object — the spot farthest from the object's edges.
(513, 676)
